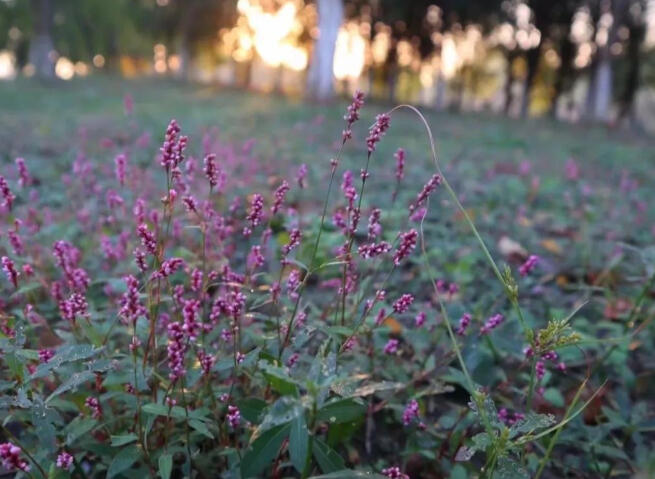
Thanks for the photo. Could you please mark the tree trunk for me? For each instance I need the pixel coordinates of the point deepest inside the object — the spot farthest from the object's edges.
(532, 61)
(320, 77)
(637, 32)
(509, 81)
(440, 95)
(565, 70)
(41, 44)
(603, 79)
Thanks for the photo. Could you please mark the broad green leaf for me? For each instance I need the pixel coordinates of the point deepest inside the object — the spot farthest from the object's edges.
(299, 442)
(282, 411)
(75, 380)
(279, 379)
(251, 409)
(328, 459)
(342, 410)
(123, 461)
(531, 423)
(122, 440)
(201, 427)
(263, 451)
(165, 465)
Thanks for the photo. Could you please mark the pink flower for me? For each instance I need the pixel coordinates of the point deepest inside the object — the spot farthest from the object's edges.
(172, 150)
(377, 131)
(6, 193)
(352, 114)
(423, 195)
(131, 306)
(530, 264)
(419, 320)
(406, 246)
(256, 213)
(147, 238)
(410, 413)
(64, 460)
(10, 457)
(280, 194)
(46, 355)
(10, 271)
(372, 250)
(400, 163)
(176, 350)
(464, 322)
(394, 473)
(374, 227)
(491, 323)
(24, 177)
(120, 163)
(301, 175)
(94, 405)
(294, 240)
(391, 347)
(233, 416)
(403, 303)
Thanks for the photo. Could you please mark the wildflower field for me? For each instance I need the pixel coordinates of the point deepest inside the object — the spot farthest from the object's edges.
(204, 283)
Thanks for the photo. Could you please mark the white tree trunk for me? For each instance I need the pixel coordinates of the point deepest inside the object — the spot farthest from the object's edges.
(603, 90)
(41, 46)
(440, 95)
(320, 77)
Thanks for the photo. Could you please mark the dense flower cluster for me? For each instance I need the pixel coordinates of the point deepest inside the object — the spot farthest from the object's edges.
(352, 114)
(491, 323)
(423, 195)
(377, 131)
(65, 460)
(407, 245)
(10, 270)
(411, 412)
(233, 416)
(403, 303)
(394, 473)
(10, 457)
(131, 306)
(464, 322)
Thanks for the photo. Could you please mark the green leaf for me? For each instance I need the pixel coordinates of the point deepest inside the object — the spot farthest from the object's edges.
(510, 469)
(531, 423)
(121, 440)
(263, 450)
(201, 427)
(299, 443)
(343, 410)
(251, 409)
(66, 354)
(123, 461)
(75, 380)
(282, 411)
(279, 379)
(328, 459)
(165, 465)
(79, 427)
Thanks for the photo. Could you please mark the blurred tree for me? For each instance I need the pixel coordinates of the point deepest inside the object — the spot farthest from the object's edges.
(635, 23)
(187, 24)
(41, 45)
(320, 77)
